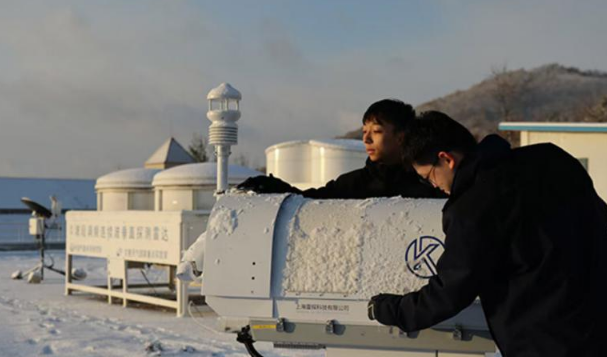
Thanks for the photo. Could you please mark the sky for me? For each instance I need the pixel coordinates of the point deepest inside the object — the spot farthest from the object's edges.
(89, 87)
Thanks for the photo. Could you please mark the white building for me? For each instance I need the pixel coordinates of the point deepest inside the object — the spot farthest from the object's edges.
(585, 141)
(169, 154)
(313, 163)
(147, 215)
(126, 190)
(192, 187)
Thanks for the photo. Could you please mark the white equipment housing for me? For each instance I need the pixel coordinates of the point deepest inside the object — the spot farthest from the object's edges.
(36, 226)
(300, 273)
(132, 238)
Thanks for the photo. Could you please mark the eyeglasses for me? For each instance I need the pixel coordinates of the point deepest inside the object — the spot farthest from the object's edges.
(427, 180)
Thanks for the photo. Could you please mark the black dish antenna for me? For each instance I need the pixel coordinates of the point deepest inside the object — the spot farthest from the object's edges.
(38, 209)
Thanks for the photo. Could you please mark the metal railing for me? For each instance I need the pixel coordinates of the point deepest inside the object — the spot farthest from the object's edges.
(18, 232)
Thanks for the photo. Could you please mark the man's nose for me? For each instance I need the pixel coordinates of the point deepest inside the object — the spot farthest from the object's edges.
(367, 138)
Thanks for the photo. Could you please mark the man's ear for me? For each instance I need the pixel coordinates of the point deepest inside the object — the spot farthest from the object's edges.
(450, 159)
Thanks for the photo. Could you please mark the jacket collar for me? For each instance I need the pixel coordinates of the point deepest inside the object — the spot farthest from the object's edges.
(388, 173)
(489, 151)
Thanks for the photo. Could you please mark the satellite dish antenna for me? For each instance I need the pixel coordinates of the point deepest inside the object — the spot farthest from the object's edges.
(38, 210)
(37, 228)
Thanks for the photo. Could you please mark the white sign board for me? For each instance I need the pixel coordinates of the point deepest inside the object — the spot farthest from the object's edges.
(153, 237)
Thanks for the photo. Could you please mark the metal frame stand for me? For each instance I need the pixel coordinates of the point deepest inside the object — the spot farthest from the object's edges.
(41, 240)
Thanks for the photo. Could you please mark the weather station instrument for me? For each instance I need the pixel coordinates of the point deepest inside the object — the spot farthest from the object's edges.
(42, 220)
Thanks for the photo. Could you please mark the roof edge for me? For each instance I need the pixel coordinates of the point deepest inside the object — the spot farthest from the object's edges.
(554, 127)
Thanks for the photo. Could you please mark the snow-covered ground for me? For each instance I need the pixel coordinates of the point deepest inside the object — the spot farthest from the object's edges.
(39, 320)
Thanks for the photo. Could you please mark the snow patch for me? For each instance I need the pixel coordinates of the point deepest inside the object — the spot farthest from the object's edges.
(345, 246)
(39, 320)
(223, 220)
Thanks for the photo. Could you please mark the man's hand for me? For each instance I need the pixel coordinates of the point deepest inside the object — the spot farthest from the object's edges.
(266, 184)
(383, 308)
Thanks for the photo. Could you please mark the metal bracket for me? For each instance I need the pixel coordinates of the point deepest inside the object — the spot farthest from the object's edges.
(458, 333)
(280, 325)
(330, 327)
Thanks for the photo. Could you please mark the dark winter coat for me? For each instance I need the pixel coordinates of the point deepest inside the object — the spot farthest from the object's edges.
(527, 233)
(375, 180)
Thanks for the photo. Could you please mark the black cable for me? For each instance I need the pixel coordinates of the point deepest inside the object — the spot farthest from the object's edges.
(244, 337)
(52, 265)
(148, 281)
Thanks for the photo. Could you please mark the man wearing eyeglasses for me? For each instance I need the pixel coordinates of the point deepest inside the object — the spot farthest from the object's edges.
(384, 174)
(525, 231)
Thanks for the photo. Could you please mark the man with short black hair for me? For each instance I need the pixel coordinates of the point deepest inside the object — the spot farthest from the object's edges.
(525, 231)
(384, 174)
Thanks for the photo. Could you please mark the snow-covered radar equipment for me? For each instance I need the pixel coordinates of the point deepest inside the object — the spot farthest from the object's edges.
(299, 273)
(224, 112)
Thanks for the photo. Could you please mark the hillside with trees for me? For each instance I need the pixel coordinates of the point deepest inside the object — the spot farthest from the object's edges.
(551, 93)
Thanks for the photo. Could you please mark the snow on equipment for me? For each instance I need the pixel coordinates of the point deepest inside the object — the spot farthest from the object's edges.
(299, 273)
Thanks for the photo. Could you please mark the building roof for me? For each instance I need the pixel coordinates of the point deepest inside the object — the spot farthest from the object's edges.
(554, 127)
(286, 144)
(340, 144)
(171, 153)
(73, 194)
(224, 91)
(130, 178)
(204, 173)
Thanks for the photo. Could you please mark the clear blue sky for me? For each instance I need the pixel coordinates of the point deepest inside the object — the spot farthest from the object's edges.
(87, 87)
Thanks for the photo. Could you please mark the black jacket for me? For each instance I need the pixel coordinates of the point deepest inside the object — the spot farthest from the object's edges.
(526, 232)
(375, 180)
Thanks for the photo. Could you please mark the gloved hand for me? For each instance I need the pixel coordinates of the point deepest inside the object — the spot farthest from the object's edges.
(383, 308)
(266, 184)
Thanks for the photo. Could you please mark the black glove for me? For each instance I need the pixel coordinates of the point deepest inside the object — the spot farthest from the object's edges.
(383, 308)
(266, 184)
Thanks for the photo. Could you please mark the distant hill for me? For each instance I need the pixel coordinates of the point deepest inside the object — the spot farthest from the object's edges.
(548, 93)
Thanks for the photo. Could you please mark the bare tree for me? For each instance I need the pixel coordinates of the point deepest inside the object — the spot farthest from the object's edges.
(241, 159)
(198, 148)
(510, 90)
(597, 113)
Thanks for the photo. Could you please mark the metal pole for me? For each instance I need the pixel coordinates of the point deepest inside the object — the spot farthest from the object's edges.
(223, 153)
(41, 242)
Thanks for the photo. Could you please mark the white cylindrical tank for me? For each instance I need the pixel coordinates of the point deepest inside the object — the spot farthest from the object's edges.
(313, 163)
(332, 158)
(290, 161)
(126, 190)
(192, 187)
